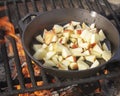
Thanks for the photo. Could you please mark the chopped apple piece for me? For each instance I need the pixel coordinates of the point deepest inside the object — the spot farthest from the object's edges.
(44, 46)
(49, 36)
(76, 51)
(55, 59)
(82, 65)
(97, 49)
(62, 67)
(90, 58)
(105, 48)
(73, 65)
(84, 45)
(54, 39)
(74, 23)
(85, 53)
(66, 34)
(63, 40)
(51, 47)
(49, 63)
(65, 52)
(92, 26)
(95, 64)
(78, 27)
(66, 62)
(60, 58)
(40, 54)
(66, 25)
(98, 55)
(106, 55)
(86, 35)
(81, 58)
(101, 35)
(50, 54)
(57, 28)
(40, 39)
(37, 47)
(95, 38)
(84, 26)
(70, 28)
(71, 59)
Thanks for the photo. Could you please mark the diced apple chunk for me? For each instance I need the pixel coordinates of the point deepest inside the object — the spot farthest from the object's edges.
(95, 64)
(37, 47)
(84, 45)
(104, 46)
(39, 38)
(66, 34)
(49, 63)
(71, 59)
(57, 28)
(55, 59)
(92, 25)
(49, 36)
(97, 49)
(50, 54)
(101, 35)
(62, 67)
(66, 62)
(106, 55)
(94, 38)
(74, 23)
(82, 65)
(98, 55)
(76, 51)
(65, 52)
(90, 58)
(73, 65)
(40, 54)
(86, 35)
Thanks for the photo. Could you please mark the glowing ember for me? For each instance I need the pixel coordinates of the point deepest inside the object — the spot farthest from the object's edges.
(36, 93)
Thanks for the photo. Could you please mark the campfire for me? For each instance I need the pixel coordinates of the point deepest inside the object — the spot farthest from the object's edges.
(9, 31)
(105, 83)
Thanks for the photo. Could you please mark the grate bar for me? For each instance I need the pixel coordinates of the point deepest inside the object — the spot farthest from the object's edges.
(7, 12)
(6, 62)
(80, 4)
(66, 83)
(113, 13)
(71, 3)
(99, 6)
(18, 64)
(53, 4)
(34, 6)
(62, 3)
(7, 67)
(17, 13)
(25, 7)
(31, 71)
(44, 77)
(44, 5)
(89, 5)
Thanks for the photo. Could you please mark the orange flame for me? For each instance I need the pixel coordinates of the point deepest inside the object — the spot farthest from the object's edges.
(9, 28)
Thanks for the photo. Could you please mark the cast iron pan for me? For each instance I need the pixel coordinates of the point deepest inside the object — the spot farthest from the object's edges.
(62, 16)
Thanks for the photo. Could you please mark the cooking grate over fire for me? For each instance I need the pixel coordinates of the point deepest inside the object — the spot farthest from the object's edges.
(21, 75)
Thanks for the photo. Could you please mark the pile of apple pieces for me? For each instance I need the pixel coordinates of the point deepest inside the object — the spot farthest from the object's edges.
(70, 46)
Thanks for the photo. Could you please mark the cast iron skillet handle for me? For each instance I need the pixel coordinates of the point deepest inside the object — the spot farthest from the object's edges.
(26, 20)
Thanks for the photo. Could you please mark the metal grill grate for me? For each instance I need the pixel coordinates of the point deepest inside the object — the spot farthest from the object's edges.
(20, 8)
